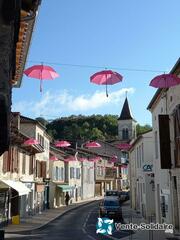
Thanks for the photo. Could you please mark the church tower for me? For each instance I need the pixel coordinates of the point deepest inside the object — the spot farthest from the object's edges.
(126, 124)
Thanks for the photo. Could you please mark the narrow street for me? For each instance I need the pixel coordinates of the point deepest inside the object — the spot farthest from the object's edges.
(78, 224)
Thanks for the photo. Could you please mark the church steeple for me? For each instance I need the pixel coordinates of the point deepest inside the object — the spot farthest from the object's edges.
(126, 112)
(126, 123)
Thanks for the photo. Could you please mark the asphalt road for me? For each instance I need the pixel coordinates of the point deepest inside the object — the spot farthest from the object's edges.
(78, 224)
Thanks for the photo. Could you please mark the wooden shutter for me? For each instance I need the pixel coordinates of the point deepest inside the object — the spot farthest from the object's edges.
(177, 135)
(23, 163)
(5, 161)
(164, 138)
(43, 169)
(31, 164)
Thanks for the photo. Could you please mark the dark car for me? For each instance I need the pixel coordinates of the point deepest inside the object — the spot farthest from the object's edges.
(111, 208)
(111, 193)
(124, 196)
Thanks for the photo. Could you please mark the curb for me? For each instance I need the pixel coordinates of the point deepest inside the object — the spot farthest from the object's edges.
(51, 220)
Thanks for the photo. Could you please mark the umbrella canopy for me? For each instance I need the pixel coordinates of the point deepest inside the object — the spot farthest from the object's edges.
(114, 158)
(31, 141)
(106, 77)
(92, 145)
(53, 158)
(123, 146)
(41, 72)
(62, 144)
(70, 159)
(82, 159)
(165, 81)
(94, 159)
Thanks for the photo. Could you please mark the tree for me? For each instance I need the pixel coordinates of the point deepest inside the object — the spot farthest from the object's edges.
(142, 129)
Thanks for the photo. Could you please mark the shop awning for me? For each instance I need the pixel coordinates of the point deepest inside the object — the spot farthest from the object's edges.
(18, 186)
(64, 188)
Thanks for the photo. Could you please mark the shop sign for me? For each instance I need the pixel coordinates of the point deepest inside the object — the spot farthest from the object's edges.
(147, 168)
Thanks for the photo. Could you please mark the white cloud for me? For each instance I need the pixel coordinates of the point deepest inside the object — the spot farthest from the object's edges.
(53, 104)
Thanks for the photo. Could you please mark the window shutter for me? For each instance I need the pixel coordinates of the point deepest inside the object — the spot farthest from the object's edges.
(177, 135)
(54, 173)
(62, 173)
(5, 161)
(43, 169)
(164, 138)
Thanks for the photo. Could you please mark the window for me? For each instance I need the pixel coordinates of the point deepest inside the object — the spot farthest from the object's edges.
(125, 133)
(71, 172)
(77, 173)
(56, 173)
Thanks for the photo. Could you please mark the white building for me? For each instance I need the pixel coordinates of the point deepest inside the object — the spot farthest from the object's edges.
(36, 130)
(142, 174)
(165, 109)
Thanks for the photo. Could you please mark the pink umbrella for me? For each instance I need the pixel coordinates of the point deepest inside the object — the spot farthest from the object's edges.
(165, 81)
(123, 146)
(82, 159)
(62, 144)
(114, 159)
(106, 77)
(41, 72)
(70, 159)
(94, 159)
(92, 145)
(53, 158)
(31, 141)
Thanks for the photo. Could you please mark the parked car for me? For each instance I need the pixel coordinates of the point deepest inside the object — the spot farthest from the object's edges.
(124, 195)
(112, 193)
(110, 207)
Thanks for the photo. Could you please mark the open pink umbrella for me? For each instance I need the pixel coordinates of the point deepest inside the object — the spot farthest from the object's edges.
(70, 159)
(31, 141)
(106, 77)
(92, 145)
(165, 81)
(41, 72)
(53, 158)
(123, 146)
(62, 144)
(82, 159)
(114, 159)
(94, 159)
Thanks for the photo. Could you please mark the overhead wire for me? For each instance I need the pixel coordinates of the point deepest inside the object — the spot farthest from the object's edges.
(98, 67)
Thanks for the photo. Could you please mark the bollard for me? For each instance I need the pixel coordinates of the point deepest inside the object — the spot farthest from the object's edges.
(1, 234)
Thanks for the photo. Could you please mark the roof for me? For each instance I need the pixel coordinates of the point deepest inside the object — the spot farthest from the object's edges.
(28, 14)
(175, 70)
(138, 138)
(30, 120)
(126, 112)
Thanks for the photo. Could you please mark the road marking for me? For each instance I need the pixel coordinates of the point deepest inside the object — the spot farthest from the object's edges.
(89, 236)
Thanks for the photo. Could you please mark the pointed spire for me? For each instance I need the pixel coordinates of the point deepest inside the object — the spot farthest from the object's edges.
(126, 112)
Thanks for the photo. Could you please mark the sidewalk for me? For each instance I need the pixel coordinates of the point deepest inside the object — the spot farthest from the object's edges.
(41, 220)
(131, 216)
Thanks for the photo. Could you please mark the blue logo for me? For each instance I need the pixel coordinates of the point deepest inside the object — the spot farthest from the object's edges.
(105, 226)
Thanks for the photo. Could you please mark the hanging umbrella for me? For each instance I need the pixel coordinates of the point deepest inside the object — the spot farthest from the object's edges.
(62, 144)
(106, 77)
(53, 158)
(124, 146)
(41, 72)
(94, 159)
(82, 159)
(114, 159)
(70, 159)
(165, 81)
(31, 141)
(92, 145)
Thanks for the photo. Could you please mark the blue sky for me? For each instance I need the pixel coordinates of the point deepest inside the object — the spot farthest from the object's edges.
(109, 33)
